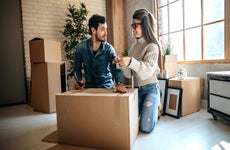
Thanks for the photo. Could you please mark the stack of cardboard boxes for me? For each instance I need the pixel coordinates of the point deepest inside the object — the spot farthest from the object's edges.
(48, 75)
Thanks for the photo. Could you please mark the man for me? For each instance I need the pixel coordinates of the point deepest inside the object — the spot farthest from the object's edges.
(95, 55)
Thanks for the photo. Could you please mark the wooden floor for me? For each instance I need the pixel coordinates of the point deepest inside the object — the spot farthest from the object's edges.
(22, 129)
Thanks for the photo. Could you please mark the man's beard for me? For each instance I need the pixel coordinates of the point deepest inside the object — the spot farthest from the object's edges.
(101, 39)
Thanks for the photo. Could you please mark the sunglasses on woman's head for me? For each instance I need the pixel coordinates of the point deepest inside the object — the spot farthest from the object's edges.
(134, 25)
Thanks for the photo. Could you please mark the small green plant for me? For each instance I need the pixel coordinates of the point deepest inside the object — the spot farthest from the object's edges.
(168, 48)
(75, 30)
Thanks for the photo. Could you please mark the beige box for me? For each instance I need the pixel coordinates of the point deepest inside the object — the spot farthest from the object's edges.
(98, 118)
(47, 79)
(42, 50)
(170, 64)
(191, 93)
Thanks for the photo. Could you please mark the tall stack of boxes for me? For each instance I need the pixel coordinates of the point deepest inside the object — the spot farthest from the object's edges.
(48, 75)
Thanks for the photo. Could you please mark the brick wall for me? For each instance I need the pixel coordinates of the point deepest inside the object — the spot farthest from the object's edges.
(46, 18)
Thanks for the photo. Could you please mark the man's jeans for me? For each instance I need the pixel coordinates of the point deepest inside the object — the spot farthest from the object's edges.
(148, 102)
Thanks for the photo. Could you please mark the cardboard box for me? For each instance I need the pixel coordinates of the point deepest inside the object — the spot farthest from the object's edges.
(191, 93)
(47, 79)
(42, 50)
(170, 64)
(98, 118)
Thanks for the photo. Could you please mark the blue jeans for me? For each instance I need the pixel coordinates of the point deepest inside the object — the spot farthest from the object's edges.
(148, 102)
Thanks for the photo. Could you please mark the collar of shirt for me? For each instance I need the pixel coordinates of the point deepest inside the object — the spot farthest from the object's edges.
(102, 46)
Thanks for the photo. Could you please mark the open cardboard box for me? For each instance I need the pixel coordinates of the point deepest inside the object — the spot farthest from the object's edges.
(96, 118)
(42, 50)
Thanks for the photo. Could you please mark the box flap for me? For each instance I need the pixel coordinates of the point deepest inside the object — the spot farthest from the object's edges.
(53, 138)
(69, 147)
(96, 92)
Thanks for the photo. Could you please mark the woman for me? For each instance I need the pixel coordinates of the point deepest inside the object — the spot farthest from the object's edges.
(144, 63)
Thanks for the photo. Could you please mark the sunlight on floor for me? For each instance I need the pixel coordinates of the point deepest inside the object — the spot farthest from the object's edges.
(222, 146)
(194, 144)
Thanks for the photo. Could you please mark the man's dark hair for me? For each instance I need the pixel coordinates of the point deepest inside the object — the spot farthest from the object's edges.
(94, 22)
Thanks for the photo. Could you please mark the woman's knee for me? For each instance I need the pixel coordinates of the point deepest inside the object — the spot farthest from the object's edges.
(147, 123)
(147, 128)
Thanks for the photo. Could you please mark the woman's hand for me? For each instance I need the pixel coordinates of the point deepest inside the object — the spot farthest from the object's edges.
(122, 61)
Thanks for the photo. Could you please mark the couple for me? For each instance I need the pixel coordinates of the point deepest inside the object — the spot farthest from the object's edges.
(98, 59)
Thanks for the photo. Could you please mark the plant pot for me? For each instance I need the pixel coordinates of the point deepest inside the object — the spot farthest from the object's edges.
(170, 64)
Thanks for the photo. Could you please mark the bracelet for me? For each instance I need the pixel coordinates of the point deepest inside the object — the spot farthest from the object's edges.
(119, 83)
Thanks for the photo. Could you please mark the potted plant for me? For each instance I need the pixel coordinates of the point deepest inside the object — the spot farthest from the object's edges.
(167, 48)
(75, 30)
(169, 60)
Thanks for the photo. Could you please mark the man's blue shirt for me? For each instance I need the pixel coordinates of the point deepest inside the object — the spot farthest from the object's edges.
(98, 68)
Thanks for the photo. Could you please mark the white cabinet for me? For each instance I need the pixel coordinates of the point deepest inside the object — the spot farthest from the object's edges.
(219, 94)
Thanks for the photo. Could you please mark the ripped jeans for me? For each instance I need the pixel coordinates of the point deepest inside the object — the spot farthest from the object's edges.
(148, 102)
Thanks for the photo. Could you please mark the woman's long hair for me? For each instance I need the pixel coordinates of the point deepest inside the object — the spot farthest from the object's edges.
(148, 25)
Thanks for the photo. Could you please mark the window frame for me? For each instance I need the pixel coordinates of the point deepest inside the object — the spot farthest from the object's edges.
(226, 36)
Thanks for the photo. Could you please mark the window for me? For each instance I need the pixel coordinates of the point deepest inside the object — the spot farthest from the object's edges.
(196, 28)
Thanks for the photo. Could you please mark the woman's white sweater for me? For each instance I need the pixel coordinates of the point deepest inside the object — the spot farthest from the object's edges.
(144, 63)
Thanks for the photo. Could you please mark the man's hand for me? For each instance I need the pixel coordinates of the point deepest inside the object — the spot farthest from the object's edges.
(120, 88)
(78, 84)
